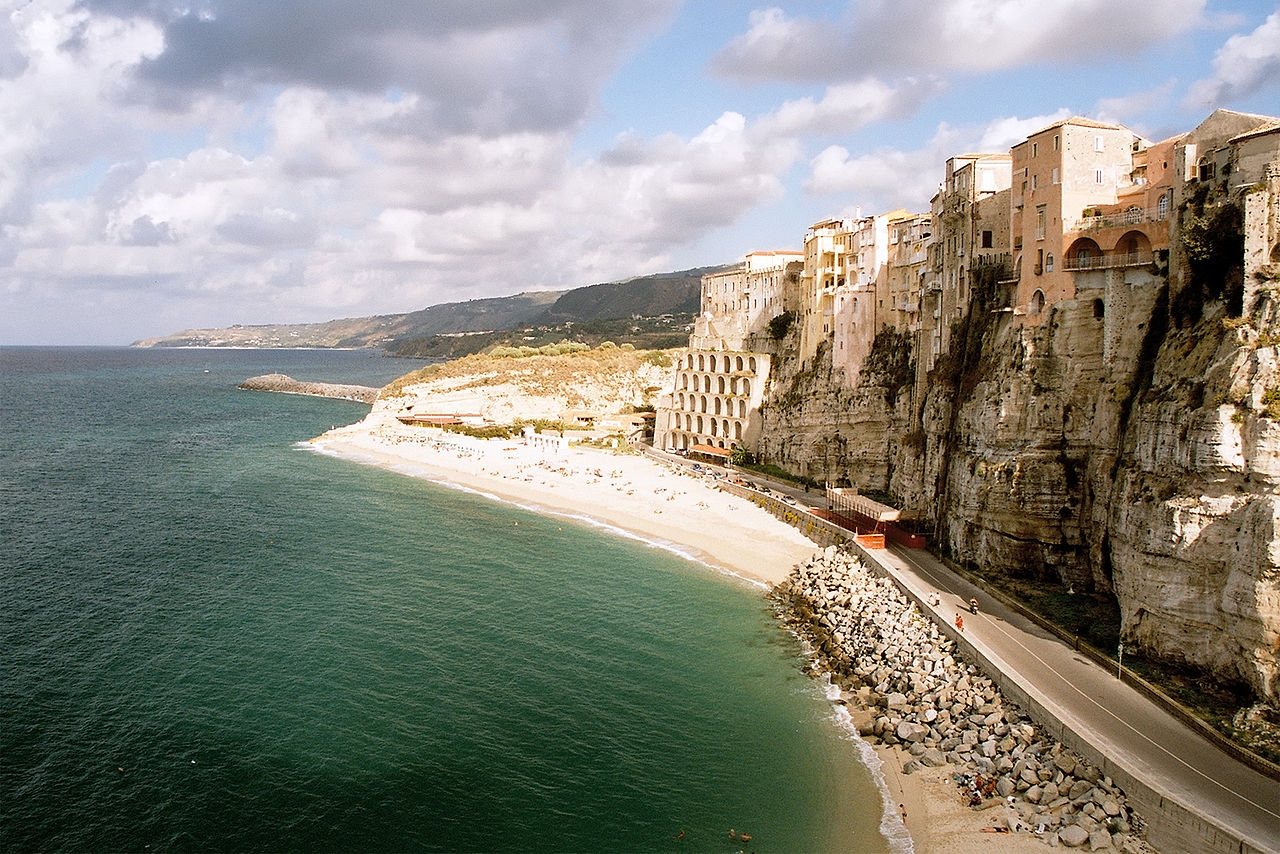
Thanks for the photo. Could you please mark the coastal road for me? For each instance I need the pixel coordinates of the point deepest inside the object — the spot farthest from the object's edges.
(1133, 732)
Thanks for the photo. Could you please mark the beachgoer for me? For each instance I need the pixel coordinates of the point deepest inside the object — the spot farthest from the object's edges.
(973, 606)
(903, 809)
(959, 622)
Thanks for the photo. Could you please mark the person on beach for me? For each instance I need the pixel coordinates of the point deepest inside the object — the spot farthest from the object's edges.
(959, 622)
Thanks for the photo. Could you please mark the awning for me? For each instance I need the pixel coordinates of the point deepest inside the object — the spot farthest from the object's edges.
(709, 450)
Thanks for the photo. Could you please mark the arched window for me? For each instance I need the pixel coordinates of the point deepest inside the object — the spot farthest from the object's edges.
(717, 406)
(739, 363)
(720, 385)
(1048, 263)
(742, 408)
(1037, 302)
(711, 363)
(737, 431)
(1099, 309)
(681, 406)
(724, 431)
(684, 381)
(746, 387)
(702, 362)
(704, 403)
(1162, 207)
(715, 427)
(699, 423)
(752, 364)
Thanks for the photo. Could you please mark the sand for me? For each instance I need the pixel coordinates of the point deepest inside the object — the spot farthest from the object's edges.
(674, 509)
(625, 491)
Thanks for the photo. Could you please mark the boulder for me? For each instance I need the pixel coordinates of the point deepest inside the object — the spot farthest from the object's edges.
(1073, 836)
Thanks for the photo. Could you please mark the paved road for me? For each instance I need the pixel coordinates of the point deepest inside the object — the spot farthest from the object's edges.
(1125, 726)
(1130, 730)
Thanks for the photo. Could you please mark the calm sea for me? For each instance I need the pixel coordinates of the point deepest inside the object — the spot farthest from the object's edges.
(212, 639)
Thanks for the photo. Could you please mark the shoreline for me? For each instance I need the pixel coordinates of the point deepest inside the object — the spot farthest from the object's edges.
(683, 513)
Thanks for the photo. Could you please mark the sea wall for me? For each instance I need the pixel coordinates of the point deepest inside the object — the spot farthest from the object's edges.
(288, 385)
(916, 688)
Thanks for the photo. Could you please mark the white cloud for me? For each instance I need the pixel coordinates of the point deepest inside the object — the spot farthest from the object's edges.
(846, 107)
(1125, 108)
(931, 36)
(889, 178)
(1245, 64)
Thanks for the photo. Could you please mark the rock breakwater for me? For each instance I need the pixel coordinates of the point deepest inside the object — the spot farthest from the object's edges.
(907, 685)
(288, 385)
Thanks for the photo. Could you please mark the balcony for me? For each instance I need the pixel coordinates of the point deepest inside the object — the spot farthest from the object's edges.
(1133, 216)
(1106, 262)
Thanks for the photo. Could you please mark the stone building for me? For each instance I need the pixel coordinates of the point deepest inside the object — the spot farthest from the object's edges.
(825, 245)
(971, 213)
(719, 381)
(1059, 173)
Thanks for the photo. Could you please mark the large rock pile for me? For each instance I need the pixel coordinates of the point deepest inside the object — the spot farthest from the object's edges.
(907, 676)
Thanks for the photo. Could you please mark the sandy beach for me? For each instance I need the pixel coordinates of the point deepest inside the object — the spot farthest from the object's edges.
(676, 510)
(625, 491)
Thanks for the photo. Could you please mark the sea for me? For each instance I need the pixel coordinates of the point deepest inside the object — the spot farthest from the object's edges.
(213, 638)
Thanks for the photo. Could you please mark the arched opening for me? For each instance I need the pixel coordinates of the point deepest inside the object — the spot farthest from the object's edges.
(739, 362)
(717, 406)
(752, 364)
(1084, 254)
(684, 380)
(742, 409)
(681, 401)
(746, 388)
(737, 431)
(699, 423)
(724, 428)
(1037, 302)
(704, 403)
(711, 361)
(1133, 247)
(1048, 263)
(702, 362)
(1099, 309)
(715, 427)
(720, 384)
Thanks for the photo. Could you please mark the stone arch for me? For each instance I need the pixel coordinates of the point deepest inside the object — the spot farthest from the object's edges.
(739, 362)
(711, 364)
(742, 408)
(737, 431)
(704, 403)
(752, 364)
(724, 428)
(1037, 302)
(1133, 245)
(746, 388)
(717, 406)
(720, 384)
(702, 362)
(699, 423)
(1082, 254)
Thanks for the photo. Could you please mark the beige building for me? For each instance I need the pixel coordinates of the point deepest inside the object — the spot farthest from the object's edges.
(1070, 167)
(719, 382)
(825, 246)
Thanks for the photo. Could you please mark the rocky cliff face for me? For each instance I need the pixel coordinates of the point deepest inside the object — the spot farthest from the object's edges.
(1105, 449)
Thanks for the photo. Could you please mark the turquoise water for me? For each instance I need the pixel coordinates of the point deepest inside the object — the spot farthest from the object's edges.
(213, 639)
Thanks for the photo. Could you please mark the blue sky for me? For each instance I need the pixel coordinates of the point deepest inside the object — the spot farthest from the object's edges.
(167, 164)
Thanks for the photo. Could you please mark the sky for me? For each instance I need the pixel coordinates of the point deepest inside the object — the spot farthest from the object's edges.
(173, 164)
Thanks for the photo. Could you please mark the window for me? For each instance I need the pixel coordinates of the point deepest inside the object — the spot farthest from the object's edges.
(1056, 178)
(1048, 263)
(1162, 207)
(1040, 222)
(1035, 182)
(1035, 149)
(1055, 144)
(986, 240)
(1097, 143)
(1097, 176)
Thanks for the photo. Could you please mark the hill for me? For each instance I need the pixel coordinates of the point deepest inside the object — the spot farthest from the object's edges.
(437, 327)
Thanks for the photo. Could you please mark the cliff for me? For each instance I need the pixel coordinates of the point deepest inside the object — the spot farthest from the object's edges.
(1107, 449)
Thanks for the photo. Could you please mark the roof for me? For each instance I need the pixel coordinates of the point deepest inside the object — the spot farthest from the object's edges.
(711, 450)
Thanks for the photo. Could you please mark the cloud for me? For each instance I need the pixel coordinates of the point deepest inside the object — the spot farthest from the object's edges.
(846, 107)
(936, 36)
(1244, 65)
(1125, 108)
(890, 178)
(473, 67)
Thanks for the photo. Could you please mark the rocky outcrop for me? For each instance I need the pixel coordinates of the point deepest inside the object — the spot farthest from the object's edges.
(288, 385)
(895, 666)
